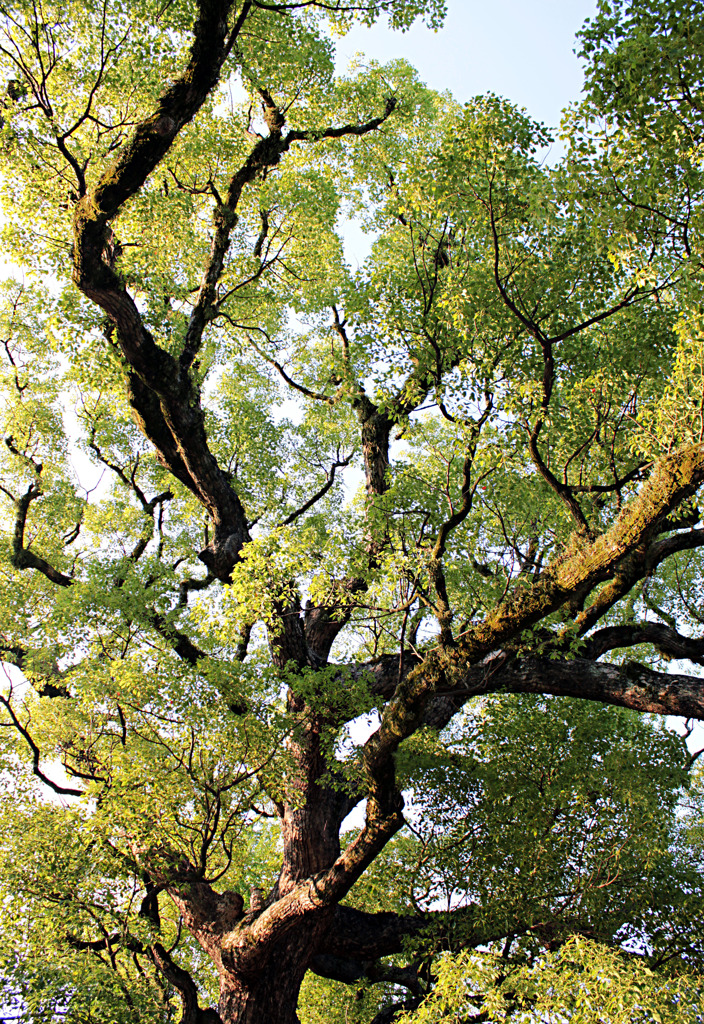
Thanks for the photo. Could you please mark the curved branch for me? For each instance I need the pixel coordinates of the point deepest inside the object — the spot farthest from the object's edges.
(36, 753)
(47, 680)
(428, 692)
(320, 493)
(389, 1013)
(665, 639)
(25, 558)
(630, 686)
(317, 396)
(349, 971)
(635, 567)
(163, 961)
(185, 986)
(365, 937)
(163, 392)
(173, 411)
(153, 137)
(130, 481)
(347, 129)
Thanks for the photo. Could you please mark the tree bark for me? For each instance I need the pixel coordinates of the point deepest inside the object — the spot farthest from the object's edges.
(271, 995)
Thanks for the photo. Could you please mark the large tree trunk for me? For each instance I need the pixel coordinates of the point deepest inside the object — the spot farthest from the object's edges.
(310, 835)
(271, 996)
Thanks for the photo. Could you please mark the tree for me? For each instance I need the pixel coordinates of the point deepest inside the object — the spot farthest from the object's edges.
(517, 375)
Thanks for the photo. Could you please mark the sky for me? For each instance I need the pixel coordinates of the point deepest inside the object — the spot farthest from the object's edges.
(520, 49)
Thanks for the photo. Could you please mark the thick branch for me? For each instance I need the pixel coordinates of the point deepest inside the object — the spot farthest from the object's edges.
(324, 622)
(639, 564)
(175, 410)
(163, 394)
(207, 914)
(633, 686)
(666, 641)
(350, 971)
(149, 417)
(630, 686)
(153, 138)
(23, 557)
(356, 935)
(248, 946)
(363, 938)
(186, 987)
(673, 481)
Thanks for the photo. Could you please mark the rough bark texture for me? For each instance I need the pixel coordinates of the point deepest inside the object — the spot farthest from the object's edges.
(271, 994)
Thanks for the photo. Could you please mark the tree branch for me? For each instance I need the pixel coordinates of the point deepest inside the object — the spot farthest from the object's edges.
(349, 971)
(186, 987)
(175, 409)
(36, 753)
(25, 558)
(665, 639)
(329, 481)
(673, 480)
(641, 563)
(630, 686)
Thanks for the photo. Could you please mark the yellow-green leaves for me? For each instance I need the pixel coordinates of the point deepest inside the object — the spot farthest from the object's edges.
(583, 982)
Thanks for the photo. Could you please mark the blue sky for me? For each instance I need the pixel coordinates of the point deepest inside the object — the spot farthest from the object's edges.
(523, 51)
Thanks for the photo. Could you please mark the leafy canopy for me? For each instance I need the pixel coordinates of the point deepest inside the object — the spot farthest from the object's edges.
(287, 537)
